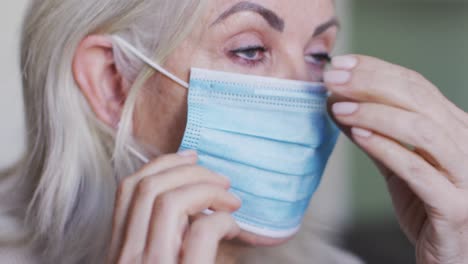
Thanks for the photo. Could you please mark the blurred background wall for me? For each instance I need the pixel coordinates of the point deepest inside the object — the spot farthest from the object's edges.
(429, 36)
(11, 114)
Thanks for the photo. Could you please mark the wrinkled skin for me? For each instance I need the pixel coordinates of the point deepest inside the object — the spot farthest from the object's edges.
(385, 108)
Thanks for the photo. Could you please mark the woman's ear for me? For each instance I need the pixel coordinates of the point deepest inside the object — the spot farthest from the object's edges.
(96, 75)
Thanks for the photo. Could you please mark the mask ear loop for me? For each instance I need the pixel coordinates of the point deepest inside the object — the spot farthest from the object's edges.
(138, 155)
(135, 152)
(154, 65)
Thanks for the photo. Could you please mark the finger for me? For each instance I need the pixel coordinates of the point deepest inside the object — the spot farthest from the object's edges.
(204, 235)
(410, 128)
(332, 100)
(150, 187)
(171, 214)
(126, 189)
(404, 200)
(442, 202)
(425, 181)
(165, 162)
(373, 80)
(461, 115)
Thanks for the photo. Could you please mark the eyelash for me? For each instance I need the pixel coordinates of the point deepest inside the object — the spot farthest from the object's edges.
(240, 54)
(318, 59)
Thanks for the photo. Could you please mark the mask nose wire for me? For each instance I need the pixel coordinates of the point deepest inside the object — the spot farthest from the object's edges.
(145, 59)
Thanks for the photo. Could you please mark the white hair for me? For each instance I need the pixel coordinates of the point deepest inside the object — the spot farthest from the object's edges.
(65, 185)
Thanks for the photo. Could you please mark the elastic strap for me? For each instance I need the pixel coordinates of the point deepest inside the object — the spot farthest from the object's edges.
(151, 63)
(137, 154)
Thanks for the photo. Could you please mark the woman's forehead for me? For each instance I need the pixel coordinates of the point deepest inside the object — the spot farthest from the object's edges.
(291, 10)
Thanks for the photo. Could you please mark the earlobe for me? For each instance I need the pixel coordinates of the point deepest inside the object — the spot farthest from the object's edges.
(97, 77)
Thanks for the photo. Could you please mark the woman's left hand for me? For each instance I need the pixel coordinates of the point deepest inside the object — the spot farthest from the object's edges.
(419, 140)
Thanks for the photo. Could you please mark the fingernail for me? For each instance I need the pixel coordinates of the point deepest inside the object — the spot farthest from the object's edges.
(208, 212)
(361, 132)
(345, 108)
(337, 77)
(187, 153)
(225, 181)
(344, 62)
(237, 197)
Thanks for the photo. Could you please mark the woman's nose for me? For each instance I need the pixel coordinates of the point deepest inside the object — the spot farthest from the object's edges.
(294, 67)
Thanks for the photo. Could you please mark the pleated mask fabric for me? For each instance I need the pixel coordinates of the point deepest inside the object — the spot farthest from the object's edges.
(271, 137)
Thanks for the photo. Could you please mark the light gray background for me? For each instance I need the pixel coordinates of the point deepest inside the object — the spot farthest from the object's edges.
(11, 115)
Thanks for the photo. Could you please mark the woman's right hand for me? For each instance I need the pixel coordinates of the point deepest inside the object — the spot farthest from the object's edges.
(157, 215)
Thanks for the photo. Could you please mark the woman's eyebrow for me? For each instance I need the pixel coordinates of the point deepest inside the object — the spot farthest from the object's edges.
(325, 26)
(271, 17)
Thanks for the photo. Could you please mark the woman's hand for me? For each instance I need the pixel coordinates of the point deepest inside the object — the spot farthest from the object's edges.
(157, 213)
(419, 140)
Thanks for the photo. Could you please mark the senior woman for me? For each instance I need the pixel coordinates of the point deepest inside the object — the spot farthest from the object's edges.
(105, 92)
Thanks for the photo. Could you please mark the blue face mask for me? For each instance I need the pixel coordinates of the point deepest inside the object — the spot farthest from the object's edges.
(271, 137)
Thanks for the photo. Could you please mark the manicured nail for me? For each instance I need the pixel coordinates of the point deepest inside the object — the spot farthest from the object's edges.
(187, 153)
(237, 197)
(361, 132)
(337, 77)
(344, 62)
(345, 108)
(208, 212)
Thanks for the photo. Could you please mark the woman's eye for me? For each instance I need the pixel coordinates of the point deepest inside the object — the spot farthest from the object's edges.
(318, 59)
(254, 53)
